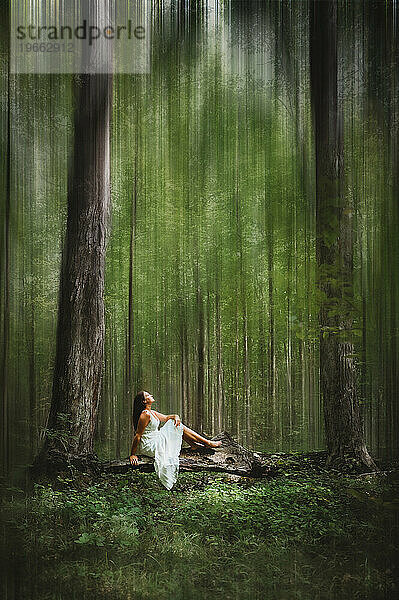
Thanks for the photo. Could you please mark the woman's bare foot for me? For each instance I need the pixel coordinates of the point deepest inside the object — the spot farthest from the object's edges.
(195, 445)
(214, 444)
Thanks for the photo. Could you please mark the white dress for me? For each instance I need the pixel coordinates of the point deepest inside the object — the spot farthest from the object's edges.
(164, 445)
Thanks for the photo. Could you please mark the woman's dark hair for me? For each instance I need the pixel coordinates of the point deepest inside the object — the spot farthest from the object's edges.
(138, 407)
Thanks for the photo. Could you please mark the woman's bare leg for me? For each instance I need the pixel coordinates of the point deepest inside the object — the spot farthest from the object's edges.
(192, 437)
(191, 441)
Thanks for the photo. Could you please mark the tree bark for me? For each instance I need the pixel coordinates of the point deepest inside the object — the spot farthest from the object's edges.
(334, 248)
(5, 300)
(80, 328)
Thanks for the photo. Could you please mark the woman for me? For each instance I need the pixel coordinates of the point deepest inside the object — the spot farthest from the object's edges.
(163, 444)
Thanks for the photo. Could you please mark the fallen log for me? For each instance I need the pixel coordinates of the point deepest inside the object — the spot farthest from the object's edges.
(230, 457)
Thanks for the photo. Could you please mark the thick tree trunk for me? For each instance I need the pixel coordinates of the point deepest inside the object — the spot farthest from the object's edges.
(334, 247)
(80, 328)
(5, 300)
(395, 224)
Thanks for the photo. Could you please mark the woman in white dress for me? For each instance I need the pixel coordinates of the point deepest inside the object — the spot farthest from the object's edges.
(163, 444)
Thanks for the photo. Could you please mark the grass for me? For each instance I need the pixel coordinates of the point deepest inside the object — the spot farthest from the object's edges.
(307, 534)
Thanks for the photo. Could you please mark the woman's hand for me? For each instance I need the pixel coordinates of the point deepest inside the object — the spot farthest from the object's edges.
(177, 420)
(133, 460)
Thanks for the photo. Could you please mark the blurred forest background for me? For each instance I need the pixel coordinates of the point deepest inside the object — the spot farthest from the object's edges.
(210, 294)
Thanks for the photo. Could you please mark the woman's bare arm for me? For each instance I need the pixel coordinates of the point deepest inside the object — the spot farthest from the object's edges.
(141, 425)
(164, 418)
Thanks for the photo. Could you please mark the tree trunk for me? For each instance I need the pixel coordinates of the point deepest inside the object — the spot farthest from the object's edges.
(334, 248)
(130, 342)
(217, 423)
(5, 290)
(80, 328)
(199, 411)
(394, 224)
(271, 379)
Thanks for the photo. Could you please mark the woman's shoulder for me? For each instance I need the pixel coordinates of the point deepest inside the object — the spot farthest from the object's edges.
(146, 413)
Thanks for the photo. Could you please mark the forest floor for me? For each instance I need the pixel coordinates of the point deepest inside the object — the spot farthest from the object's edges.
(309, 533)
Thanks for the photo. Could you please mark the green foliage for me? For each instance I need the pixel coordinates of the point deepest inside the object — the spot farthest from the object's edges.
(307, 534)
(92, 516)
(305, 511)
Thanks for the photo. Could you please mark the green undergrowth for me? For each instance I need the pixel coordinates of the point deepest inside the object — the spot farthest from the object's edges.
(303, 535)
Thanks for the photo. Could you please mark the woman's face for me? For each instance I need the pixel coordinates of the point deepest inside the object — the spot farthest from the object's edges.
(148, 399)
